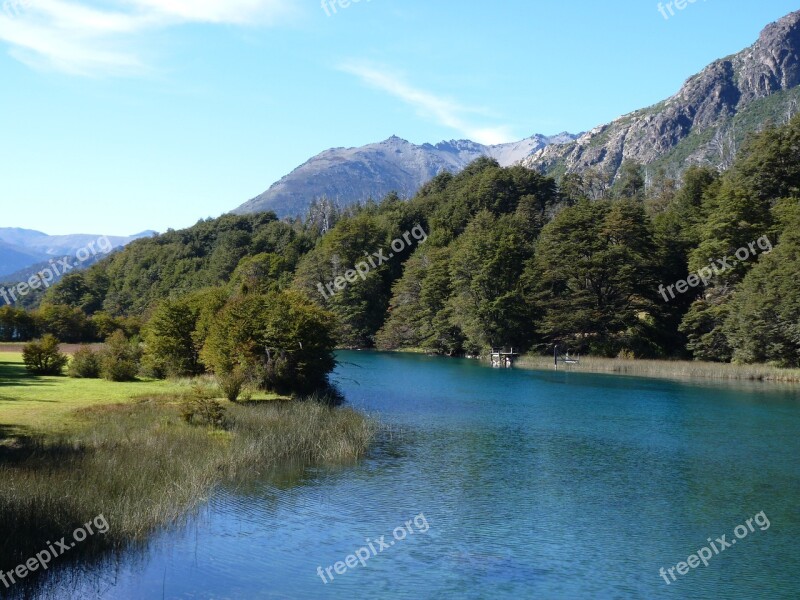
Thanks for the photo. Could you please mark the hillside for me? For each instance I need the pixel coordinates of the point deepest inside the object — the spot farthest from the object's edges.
(24, 251)
(505, 256)
(704, 123)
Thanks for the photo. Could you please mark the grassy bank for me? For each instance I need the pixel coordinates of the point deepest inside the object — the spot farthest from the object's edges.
(67, 454)
(670, 369)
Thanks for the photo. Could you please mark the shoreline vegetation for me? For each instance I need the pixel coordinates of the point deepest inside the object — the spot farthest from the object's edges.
(667, 369)
(636, 367)
(73, 449)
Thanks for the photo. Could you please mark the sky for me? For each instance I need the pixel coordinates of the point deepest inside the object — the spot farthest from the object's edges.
(118, 116)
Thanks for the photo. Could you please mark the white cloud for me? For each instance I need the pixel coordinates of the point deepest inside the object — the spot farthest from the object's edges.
(237, 12)
(76, 37)
(442, 110)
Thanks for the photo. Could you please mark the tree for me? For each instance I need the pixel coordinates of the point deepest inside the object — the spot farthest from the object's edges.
(85, 364)
(282, 340)
(593, 273)
(630, 180)
(68, 324)
(488, 297)
(119, 358)
(43, 357)
(169, 343)
(16, 325)
(763, 321)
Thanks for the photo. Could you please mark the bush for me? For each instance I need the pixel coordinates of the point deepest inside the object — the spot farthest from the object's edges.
(85, 364)
(119, 359)
(282, 340)
(199, 408)
(43, 357)
(232, 383)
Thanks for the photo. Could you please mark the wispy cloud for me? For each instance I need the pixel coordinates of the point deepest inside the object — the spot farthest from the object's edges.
(78, 37)
(442, 110)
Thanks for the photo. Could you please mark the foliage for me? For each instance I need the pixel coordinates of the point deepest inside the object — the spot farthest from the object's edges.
(200, 408)
(43, 357)
(85, 364)
(281, 339)
(511, 258)
(119, 358)
(763, 324)
(231, 383)
(170, 349)
(594, 277)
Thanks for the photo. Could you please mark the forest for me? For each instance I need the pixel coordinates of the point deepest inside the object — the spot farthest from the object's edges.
(512, 258)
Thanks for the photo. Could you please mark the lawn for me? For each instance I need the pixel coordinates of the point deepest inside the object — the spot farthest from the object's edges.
(47, 404)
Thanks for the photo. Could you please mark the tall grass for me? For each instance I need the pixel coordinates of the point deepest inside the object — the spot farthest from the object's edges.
(672, 369)
(141, 466)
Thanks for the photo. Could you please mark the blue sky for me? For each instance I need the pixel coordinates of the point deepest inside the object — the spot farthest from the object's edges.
(123, 115)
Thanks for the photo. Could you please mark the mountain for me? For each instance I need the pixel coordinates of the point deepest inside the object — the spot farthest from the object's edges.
(350, 175)
(14, 257)
(704, 123)
(23, 250)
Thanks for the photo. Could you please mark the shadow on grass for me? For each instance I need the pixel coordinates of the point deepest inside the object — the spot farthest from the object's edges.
(15, 374)
(19, 446)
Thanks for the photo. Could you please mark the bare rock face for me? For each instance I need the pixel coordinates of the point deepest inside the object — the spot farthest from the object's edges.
(709, 107)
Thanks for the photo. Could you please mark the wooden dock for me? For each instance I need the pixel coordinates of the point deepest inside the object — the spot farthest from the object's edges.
(564, 359)
(504, 357)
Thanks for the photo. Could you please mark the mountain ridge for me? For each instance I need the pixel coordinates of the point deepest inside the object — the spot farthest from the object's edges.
(350, 175)
(703, 123)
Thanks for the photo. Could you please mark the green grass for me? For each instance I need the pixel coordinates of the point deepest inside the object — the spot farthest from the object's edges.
(48, 404)
(73, 449)
(669, 369)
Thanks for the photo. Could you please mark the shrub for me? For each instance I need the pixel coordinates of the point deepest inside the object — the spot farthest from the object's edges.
(85, 364)
(43, 357)
(232, 383)
(199, 408)
(119, 359)
(282, 340)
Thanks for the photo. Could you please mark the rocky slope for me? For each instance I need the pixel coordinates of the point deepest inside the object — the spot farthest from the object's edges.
(349, 175)
(705, 122)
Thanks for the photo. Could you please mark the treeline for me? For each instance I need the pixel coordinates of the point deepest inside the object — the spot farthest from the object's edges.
(512, 258)
(67, 323)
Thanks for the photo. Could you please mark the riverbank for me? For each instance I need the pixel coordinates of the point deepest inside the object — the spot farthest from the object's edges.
(668, 369)
(71, 450)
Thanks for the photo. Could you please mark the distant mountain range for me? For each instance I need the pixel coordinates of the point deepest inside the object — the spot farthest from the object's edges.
(22, 251)
(704, 123)
(349, 175)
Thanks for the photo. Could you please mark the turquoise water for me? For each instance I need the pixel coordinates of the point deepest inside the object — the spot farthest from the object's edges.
(532, 485)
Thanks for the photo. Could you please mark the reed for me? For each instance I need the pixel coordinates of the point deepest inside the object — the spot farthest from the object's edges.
(670, 369)
(142, 467)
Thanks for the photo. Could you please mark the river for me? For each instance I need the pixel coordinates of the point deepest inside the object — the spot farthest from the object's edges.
(524, 484)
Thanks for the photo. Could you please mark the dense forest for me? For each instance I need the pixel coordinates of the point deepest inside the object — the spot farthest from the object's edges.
(509, 257)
